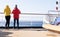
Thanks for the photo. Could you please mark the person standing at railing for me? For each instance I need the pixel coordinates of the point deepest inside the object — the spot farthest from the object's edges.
(7, 12)
(16, 13)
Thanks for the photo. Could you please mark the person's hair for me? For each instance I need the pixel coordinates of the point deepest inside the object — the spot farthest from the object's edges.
(7, 6)
(16, 6)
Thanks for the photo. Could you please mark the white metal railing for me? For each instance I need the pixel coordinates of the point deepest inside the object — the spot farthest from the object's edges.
(36, 13)
(30, 17)
(23, 17)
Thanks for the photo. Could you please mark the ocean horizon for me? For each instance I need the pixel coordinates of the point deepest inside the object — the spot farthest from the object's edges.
(24, 20)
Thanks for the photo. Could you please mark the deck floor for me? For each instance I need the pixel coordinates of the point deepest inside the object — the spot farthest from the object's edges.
(27, 33)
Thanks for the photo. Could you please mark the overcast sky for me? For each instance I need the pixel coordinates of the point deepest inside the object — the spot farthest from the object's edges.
(41, 6)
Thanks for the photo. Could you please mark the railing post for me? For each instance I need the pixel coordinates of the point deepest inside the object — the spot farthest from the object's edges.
(31, 22)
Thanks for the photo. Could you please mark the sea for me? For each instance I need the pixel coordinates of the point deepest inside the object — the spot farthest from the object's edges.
(24, 20)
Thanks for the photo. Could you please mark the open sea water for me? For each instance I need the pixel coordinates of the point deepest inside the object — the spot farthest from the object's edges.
(24, 21)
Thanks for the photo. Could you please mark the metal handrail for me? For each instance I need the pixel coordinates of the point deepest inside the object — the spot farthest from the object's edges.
(34, 14)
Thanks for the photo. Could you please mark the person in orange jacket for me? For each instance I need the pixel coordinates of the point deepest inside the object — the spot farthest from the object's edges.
(7, 12)
(16, 13)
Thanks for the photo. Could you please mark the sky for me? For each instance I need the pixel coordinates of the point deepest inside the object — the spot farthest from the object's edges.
(29, 6)
(34, 6)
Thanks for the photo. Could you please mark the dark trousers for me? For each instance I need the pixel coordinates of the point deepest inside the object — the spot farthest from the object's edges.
(7, 21)
(16, 20)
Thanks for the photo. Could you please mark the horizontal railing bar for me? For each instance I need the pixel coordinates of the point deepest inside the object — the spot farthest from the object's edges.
(37, 14)
(33, 14)
(53, 10)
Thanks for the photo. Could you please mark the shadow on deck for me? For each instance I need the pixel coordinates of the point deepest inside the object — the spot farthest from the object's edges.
(5, 34)
(20, 27)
